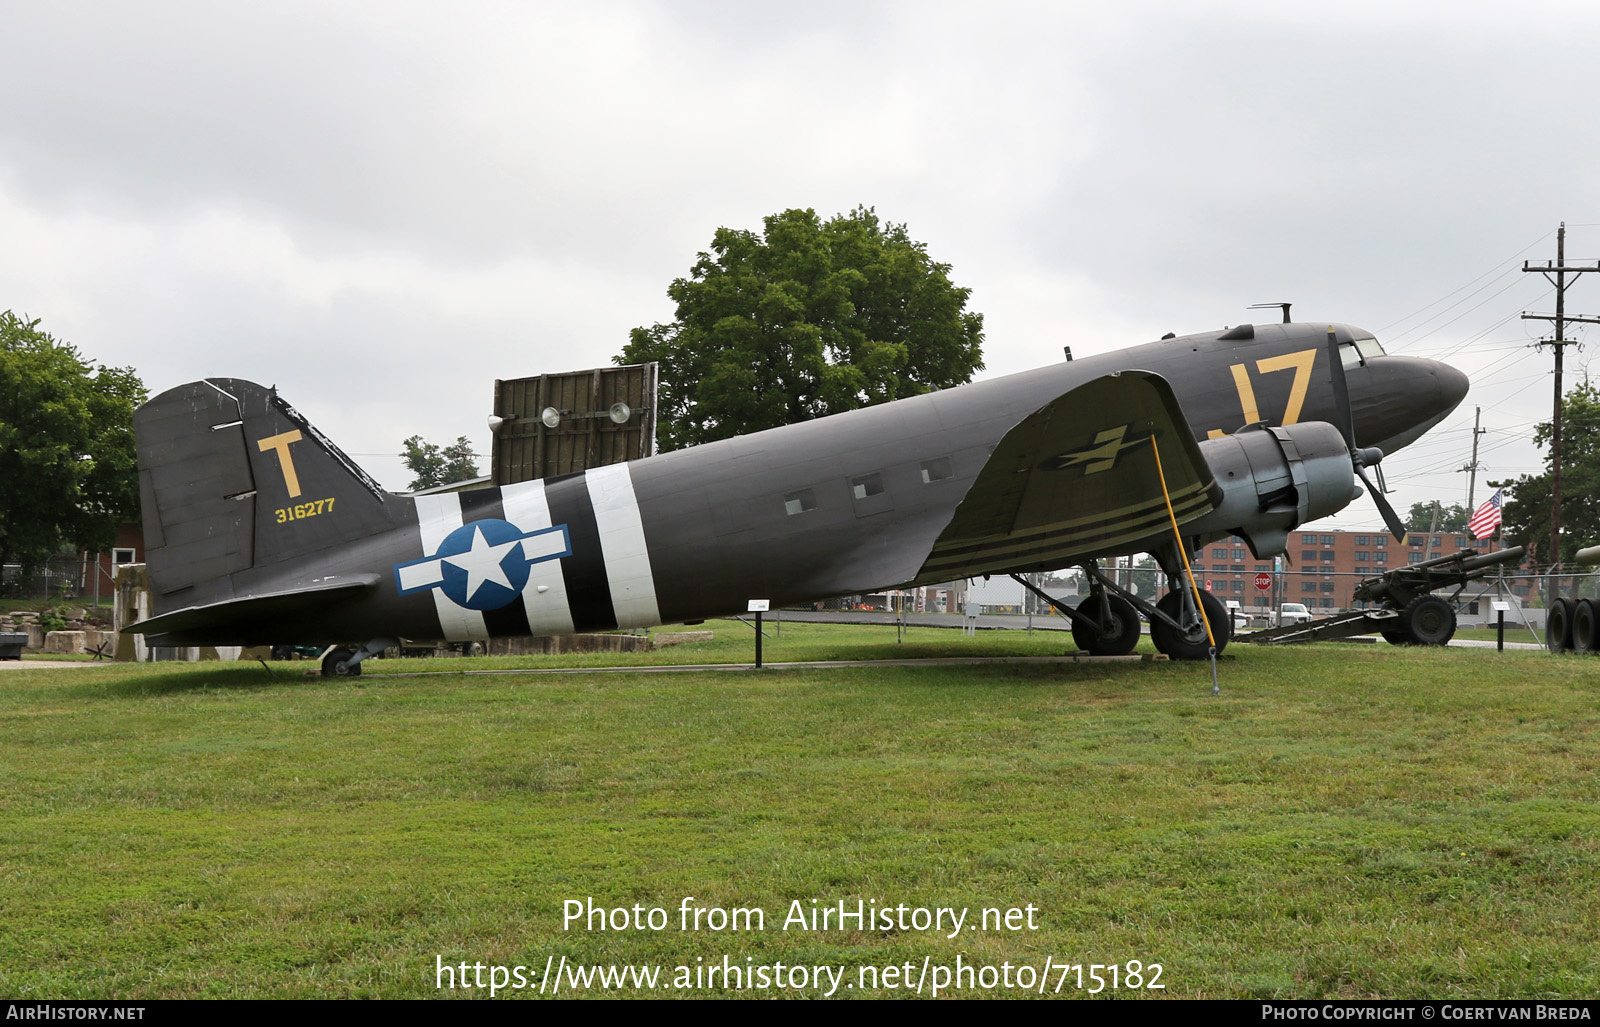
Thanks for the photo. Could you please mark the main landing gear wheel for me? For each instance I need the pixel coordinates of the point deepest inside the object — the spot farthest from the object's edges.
(1586, 626)
(1558, 625)
(1193, 644)
(1427, 620)
(333, 665)
(1124, 633)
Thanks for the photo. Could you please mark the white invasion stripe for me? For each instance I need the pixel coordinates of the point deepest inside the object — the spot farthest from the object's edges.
(548, 613)
(421, 575)
(438, 516)
(616, 514)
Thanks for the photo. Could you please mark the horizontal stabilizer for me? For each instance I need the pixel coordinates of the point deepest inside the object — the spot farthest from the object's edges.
(243, 611)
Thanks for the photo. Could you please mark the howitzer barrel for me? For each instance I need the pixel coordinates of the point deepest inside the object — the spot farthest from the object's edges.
(1589, 557)
(1402, 584)
(1494, 559)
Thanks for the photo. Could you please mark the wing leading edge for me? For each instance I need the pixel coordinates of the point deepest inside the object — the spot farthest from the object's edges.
(1077, 479)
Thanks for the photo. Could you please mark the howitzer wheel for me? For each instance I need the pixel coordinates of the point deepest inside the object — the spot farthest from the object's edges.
(1558, 625)
(1395, 637)
(1428, 620)
(1194, 644)
(1125, 627)
(1586, 626)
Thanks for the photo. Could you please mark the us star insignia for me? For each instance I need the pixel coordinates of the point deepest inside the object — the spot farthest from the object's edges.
(483, 565)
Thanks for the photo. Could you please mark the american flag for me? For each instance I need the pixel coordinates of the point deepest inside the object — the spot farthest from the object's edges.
(1487, 517)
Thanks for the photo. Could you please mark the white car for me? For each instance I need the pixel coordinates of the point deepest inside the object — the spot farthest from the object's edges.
(1294, 613)
(1237, 618)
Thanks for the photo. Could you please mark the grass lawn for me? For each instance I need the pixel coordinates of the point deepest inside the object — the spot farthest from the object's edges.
(1349, 821)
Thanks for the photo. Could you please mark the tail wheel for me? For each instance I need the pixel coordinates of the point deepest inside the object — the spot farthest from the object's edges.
(1124, 633)
(333, 664)
(1586, 626)
(1558, 625)
(1193, 644)
(1428, 620)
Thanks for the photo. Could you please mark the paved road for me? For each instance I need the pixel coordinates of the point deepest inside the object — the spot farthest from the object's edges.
(1013, 622)
(986, 622)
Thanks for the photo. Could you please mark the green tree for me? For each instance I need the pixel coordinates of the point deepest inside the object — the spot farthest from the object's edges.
(432, 466)
(805, 319)
(1451, 518)
(1527, 509)
(68, 467)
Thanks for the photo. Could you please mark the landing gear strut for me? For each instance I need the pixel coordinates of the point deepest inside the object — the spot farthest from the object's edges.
(1107, 622)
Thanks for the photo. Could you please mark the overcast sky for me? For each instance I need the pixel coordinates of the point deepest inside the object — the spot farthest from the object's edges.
(382, 207)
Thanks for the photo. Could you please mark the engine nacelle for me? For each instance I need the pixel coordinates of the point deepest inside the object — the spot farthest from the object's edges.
(1275, 479)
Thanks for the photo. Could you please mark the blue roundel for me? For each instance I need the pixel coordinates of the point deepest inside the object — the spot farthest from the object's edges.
(483, 564)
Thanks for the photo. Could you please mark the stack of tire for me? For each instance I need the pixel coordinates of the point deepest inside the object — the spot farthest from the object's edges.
(1573, 625)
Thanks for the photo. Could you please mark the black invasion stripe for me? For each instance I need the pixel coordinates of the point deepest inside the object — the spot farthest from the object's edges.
(1084, 534)
(1065, 546)
(511, 620)
(588, 587)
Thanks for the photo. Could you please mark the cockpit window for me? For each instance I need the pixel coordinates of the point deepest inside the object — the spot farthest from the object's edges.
(1359, 352)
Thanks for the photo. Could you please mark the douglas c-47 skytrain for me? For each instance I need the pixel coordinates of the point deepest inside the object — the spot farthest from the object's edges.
(258, 530)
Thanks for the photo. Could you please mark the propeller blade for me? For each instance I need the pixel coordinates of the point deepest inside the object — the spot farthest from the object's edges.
(1341, 392)
(1396, 526)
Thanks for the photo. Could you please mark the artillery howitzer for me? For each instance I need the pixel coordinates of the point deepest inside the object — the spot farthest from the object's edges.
(1407, 613)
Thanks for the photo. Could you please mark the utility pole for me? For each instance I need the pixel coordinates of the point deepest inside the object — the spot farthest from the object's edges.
(1559, 270)
(1472, 468)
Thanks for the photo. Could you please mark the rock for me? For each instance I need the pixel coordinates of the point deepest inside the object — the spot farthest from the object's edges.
(64, 642)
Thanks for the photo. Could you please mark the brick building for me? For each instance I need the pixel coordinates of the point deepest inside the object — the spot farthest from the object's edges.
(1324, 566)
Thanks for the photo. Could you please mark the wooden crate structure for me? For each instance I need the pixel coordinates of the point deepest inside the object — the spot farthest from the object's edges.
(602, 416)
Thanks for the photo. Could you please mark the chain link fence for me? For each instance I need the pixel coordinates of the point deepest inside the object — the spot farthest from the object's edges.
(67, 578)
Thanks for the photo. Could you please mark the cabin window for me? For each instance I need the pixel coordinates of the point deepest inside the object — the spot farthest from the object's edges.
(867, 485)
(937, 470)
(800, 502)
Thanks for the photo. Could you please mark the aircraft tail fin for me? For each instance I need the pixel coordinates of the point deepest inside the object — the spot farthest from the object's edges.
(231, 477)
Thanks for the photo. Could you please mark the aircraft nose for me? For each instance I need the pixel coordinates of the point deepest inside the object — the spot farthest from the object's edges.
(1399, 398)
(1453, 385)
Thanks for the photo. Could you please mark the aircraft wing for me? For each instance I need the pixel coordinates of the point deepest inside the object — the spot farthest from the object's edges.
(1076, 479)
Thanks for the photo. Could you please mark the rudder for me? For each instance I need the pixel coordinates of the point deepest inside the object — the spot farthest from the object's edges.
(232, 477)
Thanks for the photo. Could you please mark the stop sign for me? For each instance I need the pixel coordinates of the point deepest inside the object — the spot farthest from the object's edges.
(1263, 581)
